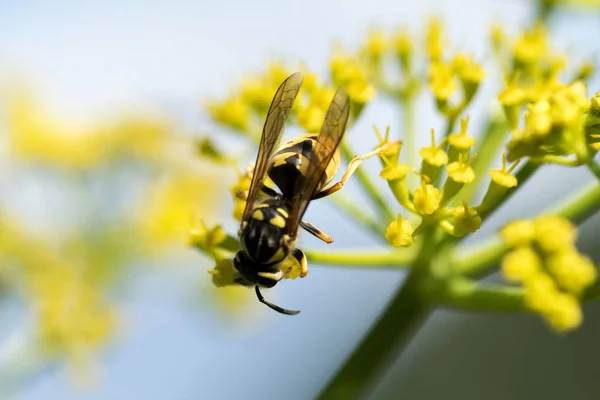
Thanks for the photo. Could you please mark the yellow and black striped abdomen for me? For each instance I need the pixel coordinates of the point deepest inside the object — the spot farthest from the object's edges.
(289, 164)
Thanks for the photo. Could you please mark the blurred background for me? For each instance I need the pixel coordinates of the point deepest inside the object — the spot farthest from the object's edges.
(101, 104)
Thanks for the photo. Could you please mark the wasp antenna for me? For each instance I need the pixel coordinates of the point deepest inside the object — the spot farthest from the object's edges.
(274, 306)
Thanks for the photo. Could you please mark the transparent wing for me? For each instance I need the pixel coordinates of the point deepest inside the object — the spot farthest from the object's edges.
(271, 135)
(328, 141)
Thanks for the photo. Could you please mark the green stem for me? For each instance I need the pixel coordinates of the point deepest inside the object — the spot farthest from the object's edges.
(493, 137)
(594, 168)
(393, 330)
(368, 186)
(358, 214)
(449, 126)
(408, 119)
(468, 295)
(479, 259)
(362, 258)
(582, 206)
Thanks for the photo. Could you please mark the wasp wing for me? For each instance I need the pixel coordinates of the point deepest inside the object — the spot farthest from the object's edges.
(326, 144)
(271, 135)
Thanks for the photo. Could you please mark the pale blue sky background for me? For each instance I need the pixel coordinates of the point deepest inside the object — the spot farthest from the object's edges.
(89, 60)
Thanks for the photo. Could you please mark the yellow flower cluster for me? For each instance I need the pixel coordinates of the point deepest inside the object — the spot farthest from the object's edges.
(555, 110)
(445, 78)
(65, 290)
(245, 109)
(36, 137)
(220, 247)
(429, 201)
(347, 71)
(546, 263)
(241, 110)
(312, 113)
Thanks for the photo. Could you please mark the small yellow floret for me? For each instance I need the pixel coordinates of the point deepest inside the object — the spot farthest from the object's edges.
(521, 265)
(427, 199)
(399, 232)
(553, 233)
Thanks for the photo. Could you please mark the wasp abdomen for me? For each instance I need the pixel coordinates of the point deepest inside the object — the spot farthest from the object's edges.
(262, 239)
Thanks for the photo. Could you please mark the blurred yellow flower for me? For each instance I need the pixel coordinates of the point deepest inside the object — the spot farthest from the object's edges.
(399, 232)
(434, 43)
(233, 112)
(172, 203)
(34, 136)
(427, 199)
(521, 264)
(466, 220)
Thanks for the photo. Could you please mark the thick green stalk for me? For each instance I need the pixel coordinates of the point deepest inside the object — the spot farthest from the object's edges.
(581, 206)
(368, 186)
(363, 258)
(393, 330)
(472, 296)
(594, 168)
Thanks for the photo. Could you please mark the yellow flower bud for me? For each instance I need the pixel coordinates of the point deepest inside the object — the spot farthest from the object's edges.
(434, 157)
(442, 81)
(511, 99)
(233, 112)
(502, 180)
(403, 49)
(538, 120)
(461, 140)
(518, 233)
(503, 176)
(521, 265)
(530, 48)
(395, 174)
(564, 313)
(434, 40)
(595, 104)
(238, 209)
(466, 220)
(586, 70)
(396, 171)
(311, 118)
(497, 37)
(223, 274)
(426, 199)
(361, 91)
(461, 172)
(377, 44)
(540, 292)
(554, 233)
(471, 74)
(399, 232)
(572, 271)
(256, 93)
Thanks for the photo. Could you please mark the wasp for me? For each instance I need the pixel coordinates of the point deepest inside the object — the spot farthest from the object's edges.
(301, 169)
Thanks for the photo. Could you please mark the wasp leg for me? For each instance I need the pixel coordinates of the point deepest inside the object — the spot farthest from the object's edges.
(352, 166)
(243, 194)
(316, 232)
(301, 258)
